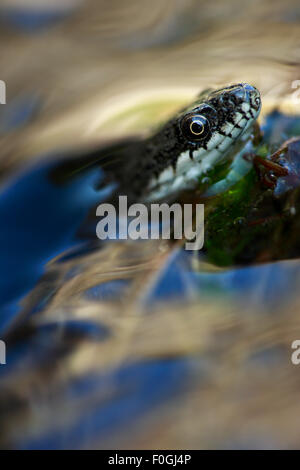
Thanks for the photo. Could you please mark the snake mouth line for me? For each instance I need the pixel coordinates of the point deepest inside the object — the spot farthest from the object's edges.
(234, 139)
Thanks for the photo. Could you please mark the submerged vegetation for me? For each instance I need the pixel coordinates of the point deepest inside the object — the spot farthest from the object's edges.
(258, 219)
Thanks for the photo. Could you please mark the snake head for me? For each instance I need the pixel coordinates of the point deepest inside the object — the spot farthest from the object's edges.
(221, 117)
(200, 137)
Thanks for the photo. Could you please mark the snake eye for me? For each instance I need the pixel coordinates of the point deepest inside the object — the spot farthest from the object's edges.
(195, 127)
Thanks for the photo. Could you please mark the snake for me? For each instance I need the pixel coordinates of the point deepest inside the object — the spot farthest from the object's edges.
(179, 154)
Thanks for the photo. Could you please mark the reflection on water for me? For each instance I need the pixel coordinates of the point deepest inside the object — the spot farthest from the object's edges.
(130, 344)
(40, 222)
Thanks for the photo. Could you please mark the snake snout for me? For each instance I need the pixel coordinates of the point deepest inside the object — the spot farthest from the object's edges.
(245, 93)
(252, 96)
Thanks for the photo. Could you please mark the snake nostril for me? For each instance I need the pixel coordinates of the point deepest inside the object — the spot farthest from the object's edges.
(256, 102)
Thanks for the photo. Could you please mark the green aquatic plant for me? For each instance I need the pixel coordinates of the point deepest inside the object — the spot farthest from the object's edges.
(257, 219)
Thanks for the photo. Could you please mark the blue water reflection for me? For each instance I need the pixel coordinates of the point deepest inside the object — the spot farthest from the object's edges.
(134, 389)
(39, 221)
